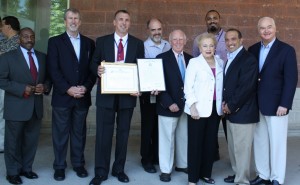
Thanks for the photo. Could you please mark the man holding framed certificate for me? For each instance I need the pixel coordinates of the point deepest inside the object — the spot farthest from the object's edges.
(154, 45)
(121, 48)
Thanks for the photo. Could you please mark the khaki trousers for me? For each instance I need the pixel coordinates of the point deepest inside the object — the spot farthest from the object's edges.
(240, 138)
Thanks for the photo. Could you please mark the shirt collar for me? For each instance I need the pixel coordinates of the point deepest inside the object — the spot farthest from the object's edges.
(233, 54)
(77, 37)
(268, 45)
(176, 54)
(24, 50)
(117, 38)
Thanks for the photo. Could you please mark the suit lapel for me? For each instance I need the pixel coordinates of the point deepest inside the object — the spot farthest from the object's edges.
(110, 48)
(234, 62)
(67, 42)
(130, 47)
(271, 54)
(23, 64)
(41, 65)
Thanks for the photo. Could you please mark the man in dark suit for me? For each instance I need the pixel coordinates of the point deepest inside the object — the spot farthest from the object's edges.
(23, 78)
(108, 105)
(68, 59)
(172, 121)
(239, 105)
(277, 83)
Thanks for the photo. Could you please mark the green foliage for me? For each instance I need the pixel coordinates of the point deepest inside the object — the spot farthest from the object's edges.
(57, 17)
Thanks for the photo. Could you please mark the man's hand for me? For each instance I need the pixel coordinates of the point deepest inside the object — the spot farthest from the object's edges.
(29, 89)
(225, 108)
(281, 111)
(39, 89)
(100, 70)
(155, 92)
(136, 94)
(174, 107)
(76, 91)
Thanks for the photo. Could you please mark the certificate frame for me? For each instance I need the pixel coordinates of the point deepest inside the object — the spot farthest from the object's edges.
(119, 78)
(151, 75)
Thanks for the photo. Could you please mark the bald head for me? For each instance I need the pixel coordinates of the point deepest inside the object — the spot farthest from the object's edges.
(177, 38)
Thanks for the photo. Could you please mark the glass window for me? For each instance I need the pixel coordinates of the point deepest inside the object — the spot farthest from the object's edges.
(43, 16)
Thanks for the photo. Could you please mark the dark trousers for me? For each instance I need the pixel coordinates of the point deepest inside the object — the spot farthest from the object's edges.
(149, 131)
(69, 123)
(225, 132)
(20, 144)
(105, 120)
(202, 145)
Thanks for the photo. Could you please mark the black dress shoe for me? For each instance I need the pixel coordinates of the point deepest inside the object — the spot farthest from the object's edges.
(185, 170)
(81, 171)
(122, 177)
(97, 180)
(149, 168)
(208, 180)
(165, 177)
(59, 174)
(275, 182)
(29, 175)
(14, 179)
(259, 181)
(229, 179)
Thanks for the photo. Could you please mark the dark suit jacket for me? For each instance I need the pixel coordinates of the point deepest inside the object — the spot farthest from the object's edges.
(174, 85)
(277, 78)
(66, 71)
(14, 76)
(105, 50)
(239, 88)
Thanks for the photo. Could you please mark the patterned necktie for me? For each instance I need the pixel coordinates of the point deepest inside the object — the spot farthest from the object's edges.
(120, 55)
(181, 66)
(32, 66)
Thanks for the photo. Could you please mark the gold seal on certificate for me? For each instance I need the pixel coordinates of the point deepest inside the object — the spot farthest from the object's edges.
(119, 78)
(151, 75)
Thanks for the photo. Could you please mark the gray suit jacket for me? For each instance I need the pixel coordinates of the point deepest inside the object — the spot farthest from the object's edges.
(14, 76)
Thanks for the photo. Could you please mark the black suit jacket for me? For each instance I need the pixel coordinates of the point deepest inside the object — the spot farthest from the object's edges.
(14, 76)
(277, 78)
(105, 50)
(66, 71)
(174, 85)
(239, 88)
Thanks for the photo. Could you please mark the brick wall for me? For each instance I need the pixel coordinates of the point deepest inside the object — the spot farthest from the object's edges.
(189, 16)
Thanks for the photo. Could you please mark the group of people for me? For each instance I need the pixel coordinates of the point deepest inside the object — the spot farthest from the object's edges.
(250, 91)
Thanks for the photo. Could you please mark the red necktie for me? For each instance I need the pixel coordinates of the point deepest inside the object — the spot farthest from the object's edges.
(120, 55)
(32, 66)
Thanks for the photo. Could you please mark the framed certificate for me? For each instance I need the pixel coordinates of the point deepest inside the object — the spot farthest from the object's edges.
(151, 74)
(119, 78)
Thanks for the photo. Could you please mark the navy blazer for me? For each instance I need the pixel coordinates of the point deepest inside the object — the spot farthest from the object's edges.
(66, 71)
(105, 50)
(14, 76)
(277, 78)
(240, 88)
(174, 85)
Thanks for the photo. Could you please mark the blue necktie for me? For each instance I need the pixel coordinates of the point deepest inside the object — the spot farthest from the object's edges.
(181, 66)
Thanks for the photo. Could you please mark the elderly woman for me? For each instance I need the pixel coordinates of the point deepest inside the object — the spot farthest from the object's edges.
(203, 93)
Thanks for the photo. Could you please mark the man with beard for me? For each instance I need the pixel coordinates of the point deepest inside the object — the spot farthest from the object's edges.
(69, 57)
(154, 45)
(24, 80)
(212, 19)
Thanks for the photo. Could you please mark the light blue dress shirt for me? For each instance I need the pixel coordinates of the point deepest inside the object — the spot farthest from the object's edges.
(231, 56)
(152, 50)
(264, 51)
